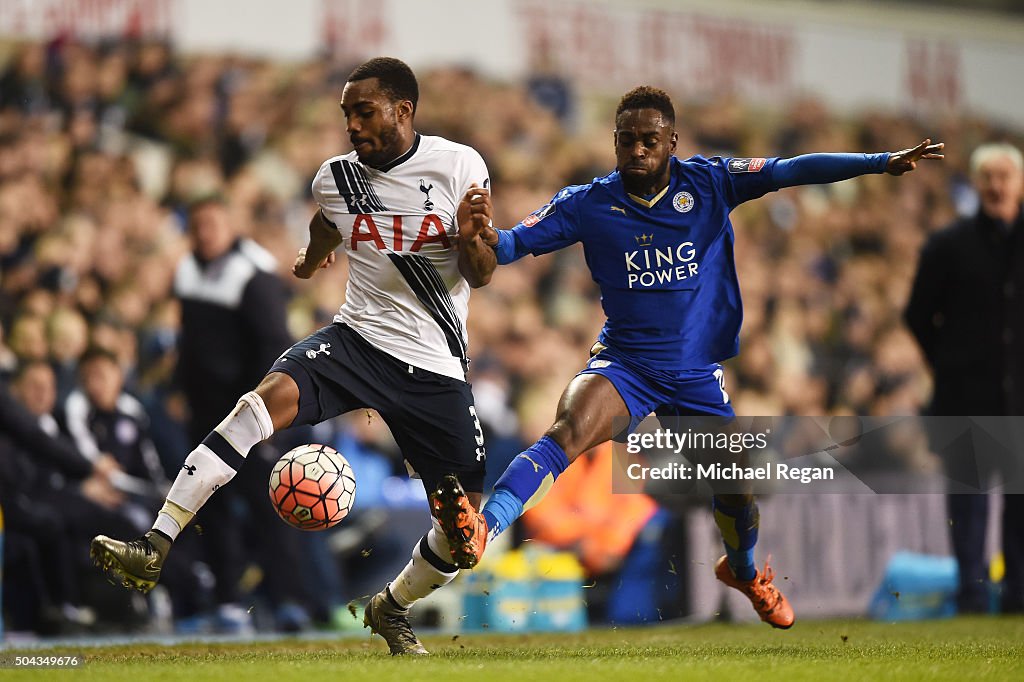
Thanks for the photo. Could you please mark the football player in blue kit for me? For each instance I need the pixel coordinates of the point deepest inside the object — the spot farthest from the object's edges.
(657, 239)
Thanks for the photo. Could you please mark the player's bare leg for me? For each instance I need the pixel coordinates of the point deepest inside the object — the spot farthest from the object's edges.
(584, 418)
(136, 564)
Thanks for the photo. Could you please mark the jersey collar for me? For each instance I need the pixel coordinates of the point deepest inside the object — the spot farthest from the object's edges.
(403, 158)
(649, 203)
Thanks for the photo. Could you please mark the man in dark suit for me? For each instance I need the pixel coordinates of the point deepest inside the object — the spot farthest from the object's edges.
(233, 327)
(967, 312)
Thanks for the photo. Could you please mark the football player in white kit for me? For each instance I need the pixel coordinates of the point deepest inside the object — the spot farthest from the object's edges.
(409, 210)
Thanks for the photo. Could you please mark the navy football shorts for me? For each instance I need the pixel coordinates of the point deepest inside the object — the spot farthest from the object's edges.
(431, 416)
(683, 393)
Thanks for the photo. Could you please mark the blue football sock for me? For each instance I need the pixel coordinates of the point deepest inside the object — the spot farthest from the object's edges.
(502, 508)
(526, 480)
(738, 526)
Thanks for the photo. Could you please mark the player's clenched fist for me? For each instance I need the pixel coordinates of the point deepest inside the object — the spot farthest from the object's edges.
(474, 214)
(304, 269)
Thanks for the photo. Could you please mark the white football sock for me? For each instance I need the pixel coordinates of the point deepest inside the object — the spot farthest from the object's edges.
(214, 462)
(172, 519)
(248, 424)
(423, 574)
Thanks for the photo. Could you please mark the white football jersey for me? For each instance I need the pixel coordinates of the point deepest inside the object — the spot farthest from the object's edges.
(405, 294)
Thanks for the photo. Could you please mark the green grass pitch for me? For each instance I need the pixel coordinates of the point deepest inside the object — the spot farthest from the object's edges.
(961, 649)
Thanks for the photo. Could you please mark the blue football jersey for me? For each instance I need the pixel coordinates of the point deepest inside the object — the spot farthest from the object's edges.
(664, 264)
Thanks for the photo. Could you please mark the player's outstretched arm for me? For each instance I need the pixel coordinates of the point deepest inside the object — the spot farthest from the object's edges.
(906, 160)
(476, 259)
(324, 238)
(819, 169)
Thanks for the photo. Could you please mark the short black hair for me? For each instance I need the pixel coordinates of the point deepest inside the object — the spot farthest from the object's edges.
(95, 352)
(25, 366)
(395, 76)
(647, 97)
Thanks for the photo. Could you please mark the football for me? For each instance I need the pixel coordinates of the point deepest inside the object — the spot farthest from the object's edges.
(312, 487)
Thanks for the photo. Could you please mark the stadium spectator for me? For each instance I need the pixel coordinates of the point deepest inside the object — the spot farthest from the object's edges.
(967, 312)
(233, 327)
(68, 335)
(106, 422)
(47, 490)
(103, 420)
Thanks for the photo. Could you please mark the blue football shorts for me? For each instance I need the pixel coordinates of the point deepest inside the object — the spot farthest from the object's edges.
(682, 393)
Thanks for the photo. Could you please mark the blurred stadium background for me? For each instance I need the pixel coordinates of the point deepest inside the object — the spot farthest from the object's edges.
(114, 114)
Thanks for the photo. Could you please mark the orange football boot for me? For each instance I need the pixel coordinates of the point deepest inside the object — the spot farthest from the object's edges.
(771, 605)
(463, 526)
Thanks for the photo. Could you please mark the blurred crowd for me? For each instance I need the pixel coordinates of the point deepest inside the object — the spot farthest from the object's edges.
(103, 147)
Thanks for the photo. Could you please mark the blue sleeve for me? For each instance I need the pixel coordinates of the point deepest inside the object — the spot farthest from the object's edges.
(509, 249)
(820, 169)
(549, 228)
(745, 179)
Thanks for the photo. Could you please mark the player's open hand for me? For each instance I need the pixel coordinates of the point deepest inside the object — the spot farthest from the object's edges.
(474, 214)
(906, 160)
(304, 269)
